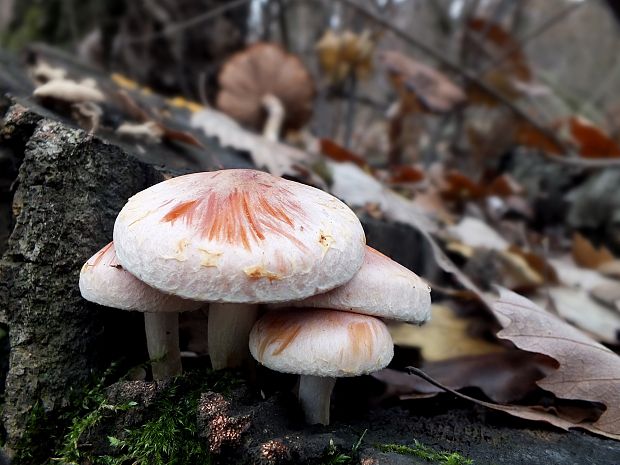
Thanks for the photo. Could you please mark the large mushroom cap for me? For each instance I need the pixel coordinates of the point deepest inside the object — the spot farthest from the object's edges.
(260, 70)
(436, 91)
(104, 281)
(320, 342)
(240, 236)
(383, 288)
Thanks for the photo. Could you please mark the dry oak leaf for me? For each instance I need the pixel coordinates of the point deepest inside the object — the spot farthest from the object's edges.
(506, 376)
(587, 371)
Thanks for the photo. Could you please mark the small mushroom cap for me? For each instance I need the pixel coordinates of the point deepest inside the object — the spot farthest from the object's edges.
(265, 69)
(321, 342)
(104, 281)
(241, 236)
(69, 91)
(382, 288)
(434, 89)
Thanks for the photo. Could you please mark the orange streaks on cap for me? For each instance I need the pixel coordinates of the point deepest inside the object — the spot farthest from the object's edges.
(242, 216)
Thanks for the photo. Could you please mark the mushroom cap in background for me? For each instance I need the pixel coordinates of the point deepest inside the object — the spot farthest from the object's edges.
(321, 342)
(104, 281)
(382, 288)
(238, 236)
(434, 90)
(260, 70)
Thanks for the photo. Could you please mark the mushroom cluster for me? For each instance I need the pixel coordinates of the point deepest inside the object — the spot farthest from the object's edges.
(339, 333)
(233, 238)
(239, 238)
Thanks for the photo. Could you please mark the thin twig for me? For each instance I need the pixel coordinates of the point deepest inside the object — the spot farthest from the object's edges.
(192, 22)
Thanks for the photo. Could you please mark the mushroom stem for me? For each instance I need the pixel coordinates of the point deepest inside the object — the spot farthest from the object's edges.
(162, 339)
(229, 329)
(275, 117)
(314, 395)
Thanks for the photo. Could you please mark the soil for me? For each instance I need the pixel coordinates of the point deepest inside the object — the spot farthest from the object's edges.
(242, 428)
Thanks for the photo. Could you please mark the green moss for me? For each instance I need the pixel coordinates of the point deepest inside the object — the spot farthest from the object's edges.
(44, 430)
(167, 436)
(334, 456)
(427, 453)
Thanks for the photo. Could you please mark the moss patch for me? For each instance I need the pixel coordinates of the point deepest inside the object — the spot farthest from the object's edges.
(427, 453)
(166, 431)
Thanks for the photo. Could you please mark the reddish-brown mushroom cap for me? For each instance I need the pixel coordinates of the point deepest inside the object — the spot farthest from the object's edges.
(260, 70)
(433, 89)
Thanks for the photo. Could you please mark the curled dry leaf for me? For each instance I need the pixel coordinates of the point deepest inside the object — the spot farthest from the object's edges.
(432, 88)
(587, 370)
(278, 158)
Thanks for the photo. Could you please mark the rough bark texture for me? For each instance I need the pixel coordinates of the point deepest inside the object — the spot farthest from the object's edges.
(70, 189)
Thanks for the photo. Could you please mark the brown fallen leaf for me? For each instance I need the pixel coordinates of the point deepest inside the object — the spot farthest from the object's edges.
(561, 416)
(588, 256)
(503, 377)
(445, 336)
(337, 152)
(530, 136)
(588, 370)
(591, 141)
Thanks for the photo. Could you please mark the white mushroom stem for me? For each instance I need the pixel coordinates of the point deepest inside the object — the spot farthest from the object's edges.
(229, 330)
(314, 396)
(162, 339)
(275, 117)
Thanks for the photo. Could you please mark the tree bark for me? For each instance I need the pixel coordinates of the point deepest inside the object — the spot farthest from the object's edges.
(69, 189)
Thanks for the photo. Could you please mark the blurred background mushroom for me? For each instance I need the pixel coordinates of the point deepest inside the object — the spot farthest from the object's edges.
(265, 88)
